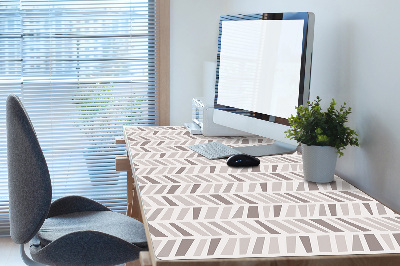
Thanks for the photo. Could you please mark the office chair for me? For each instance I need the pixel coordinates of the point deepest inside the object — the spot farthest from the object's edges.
(70, 231)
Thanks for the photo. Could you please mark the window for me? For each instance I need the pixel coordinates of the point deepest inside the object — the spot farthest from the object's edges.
(83, 70)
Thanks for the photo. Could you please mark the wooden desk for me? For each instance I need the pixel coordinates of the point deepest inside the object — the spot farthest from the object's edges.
(201, 212)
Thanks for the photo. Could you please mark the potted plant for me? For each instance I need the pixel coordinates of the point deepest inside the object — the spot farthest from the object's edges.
(323, 135)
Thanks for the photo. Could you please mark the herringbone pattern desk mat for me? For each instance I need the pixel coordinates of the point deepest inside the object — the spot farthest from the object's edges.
(198, 208)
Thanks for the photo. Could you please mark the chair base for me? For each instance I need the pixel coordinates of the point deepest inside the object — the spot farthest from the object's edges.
(26, 259)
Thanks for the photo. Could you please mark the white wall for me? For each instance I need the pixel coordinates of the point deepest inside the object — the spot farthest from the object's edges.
(194, 41)
(356, 59)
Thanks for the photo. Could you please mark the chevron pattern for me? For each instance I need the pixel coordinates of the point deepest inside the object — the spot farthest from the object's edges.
(198, 208)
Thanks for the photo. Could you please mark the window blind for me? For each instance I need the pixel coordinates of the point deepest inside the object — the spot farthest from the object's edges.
(83, 69)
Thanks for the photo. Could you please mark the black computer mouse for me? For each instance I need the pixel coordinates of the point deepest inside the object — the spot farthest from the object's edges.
(240, 160)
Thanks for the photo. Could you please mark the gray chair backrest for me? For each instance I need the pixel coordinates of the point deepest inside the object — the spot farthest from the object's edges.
(29, 182)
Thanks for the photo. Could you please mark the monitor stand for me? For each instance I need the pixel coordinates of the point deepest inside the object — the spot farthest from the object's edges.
(277, 148)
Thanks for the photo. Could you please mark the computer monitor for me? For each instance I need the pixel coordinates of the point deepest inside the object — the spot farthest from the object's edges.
(263, 73)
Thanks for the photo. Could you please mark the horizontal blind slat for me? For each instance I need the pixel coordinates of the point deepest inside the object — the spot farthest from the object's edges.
(83, 69)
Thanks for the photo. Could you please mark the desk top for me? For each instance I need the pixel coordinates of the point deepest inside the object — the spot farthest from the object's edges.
(197, 208)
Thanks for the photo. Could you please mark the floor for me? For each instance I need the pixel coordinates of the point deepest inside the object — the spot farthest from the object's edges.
(9, 253)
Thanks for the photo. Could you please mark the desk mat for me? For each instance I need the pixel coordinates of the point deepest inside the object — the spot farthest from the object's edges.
(198, 208)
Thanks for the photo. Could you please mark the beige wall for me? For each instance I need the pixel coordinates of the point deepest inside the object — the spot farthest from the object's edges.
(356, 59)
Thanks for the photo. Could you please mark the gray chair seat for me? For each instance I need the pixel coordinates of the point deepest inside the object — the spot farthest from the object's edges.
(107, 222)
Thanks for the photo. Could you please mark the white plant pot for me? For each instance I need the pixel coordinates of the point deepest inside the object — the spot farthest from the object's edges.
(319, 163)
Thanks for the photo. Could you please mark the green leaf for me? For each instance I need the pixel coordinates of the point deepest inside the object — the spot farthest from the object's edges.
(312, 126)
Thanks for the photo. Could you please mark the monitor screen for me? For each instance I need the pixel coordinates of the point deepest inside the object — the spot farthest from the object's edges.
(263, 71)
(260, 63)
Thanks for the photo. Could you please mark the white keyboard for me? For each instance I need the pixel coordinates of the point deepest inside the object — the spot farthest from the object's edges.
(214, 150)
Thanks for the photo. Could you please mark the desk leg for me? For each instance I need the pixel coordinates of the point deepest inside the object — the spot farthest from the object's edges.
(134, 212)
(132, 197)
(129, 192)
(133, 209)
(144, 260)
